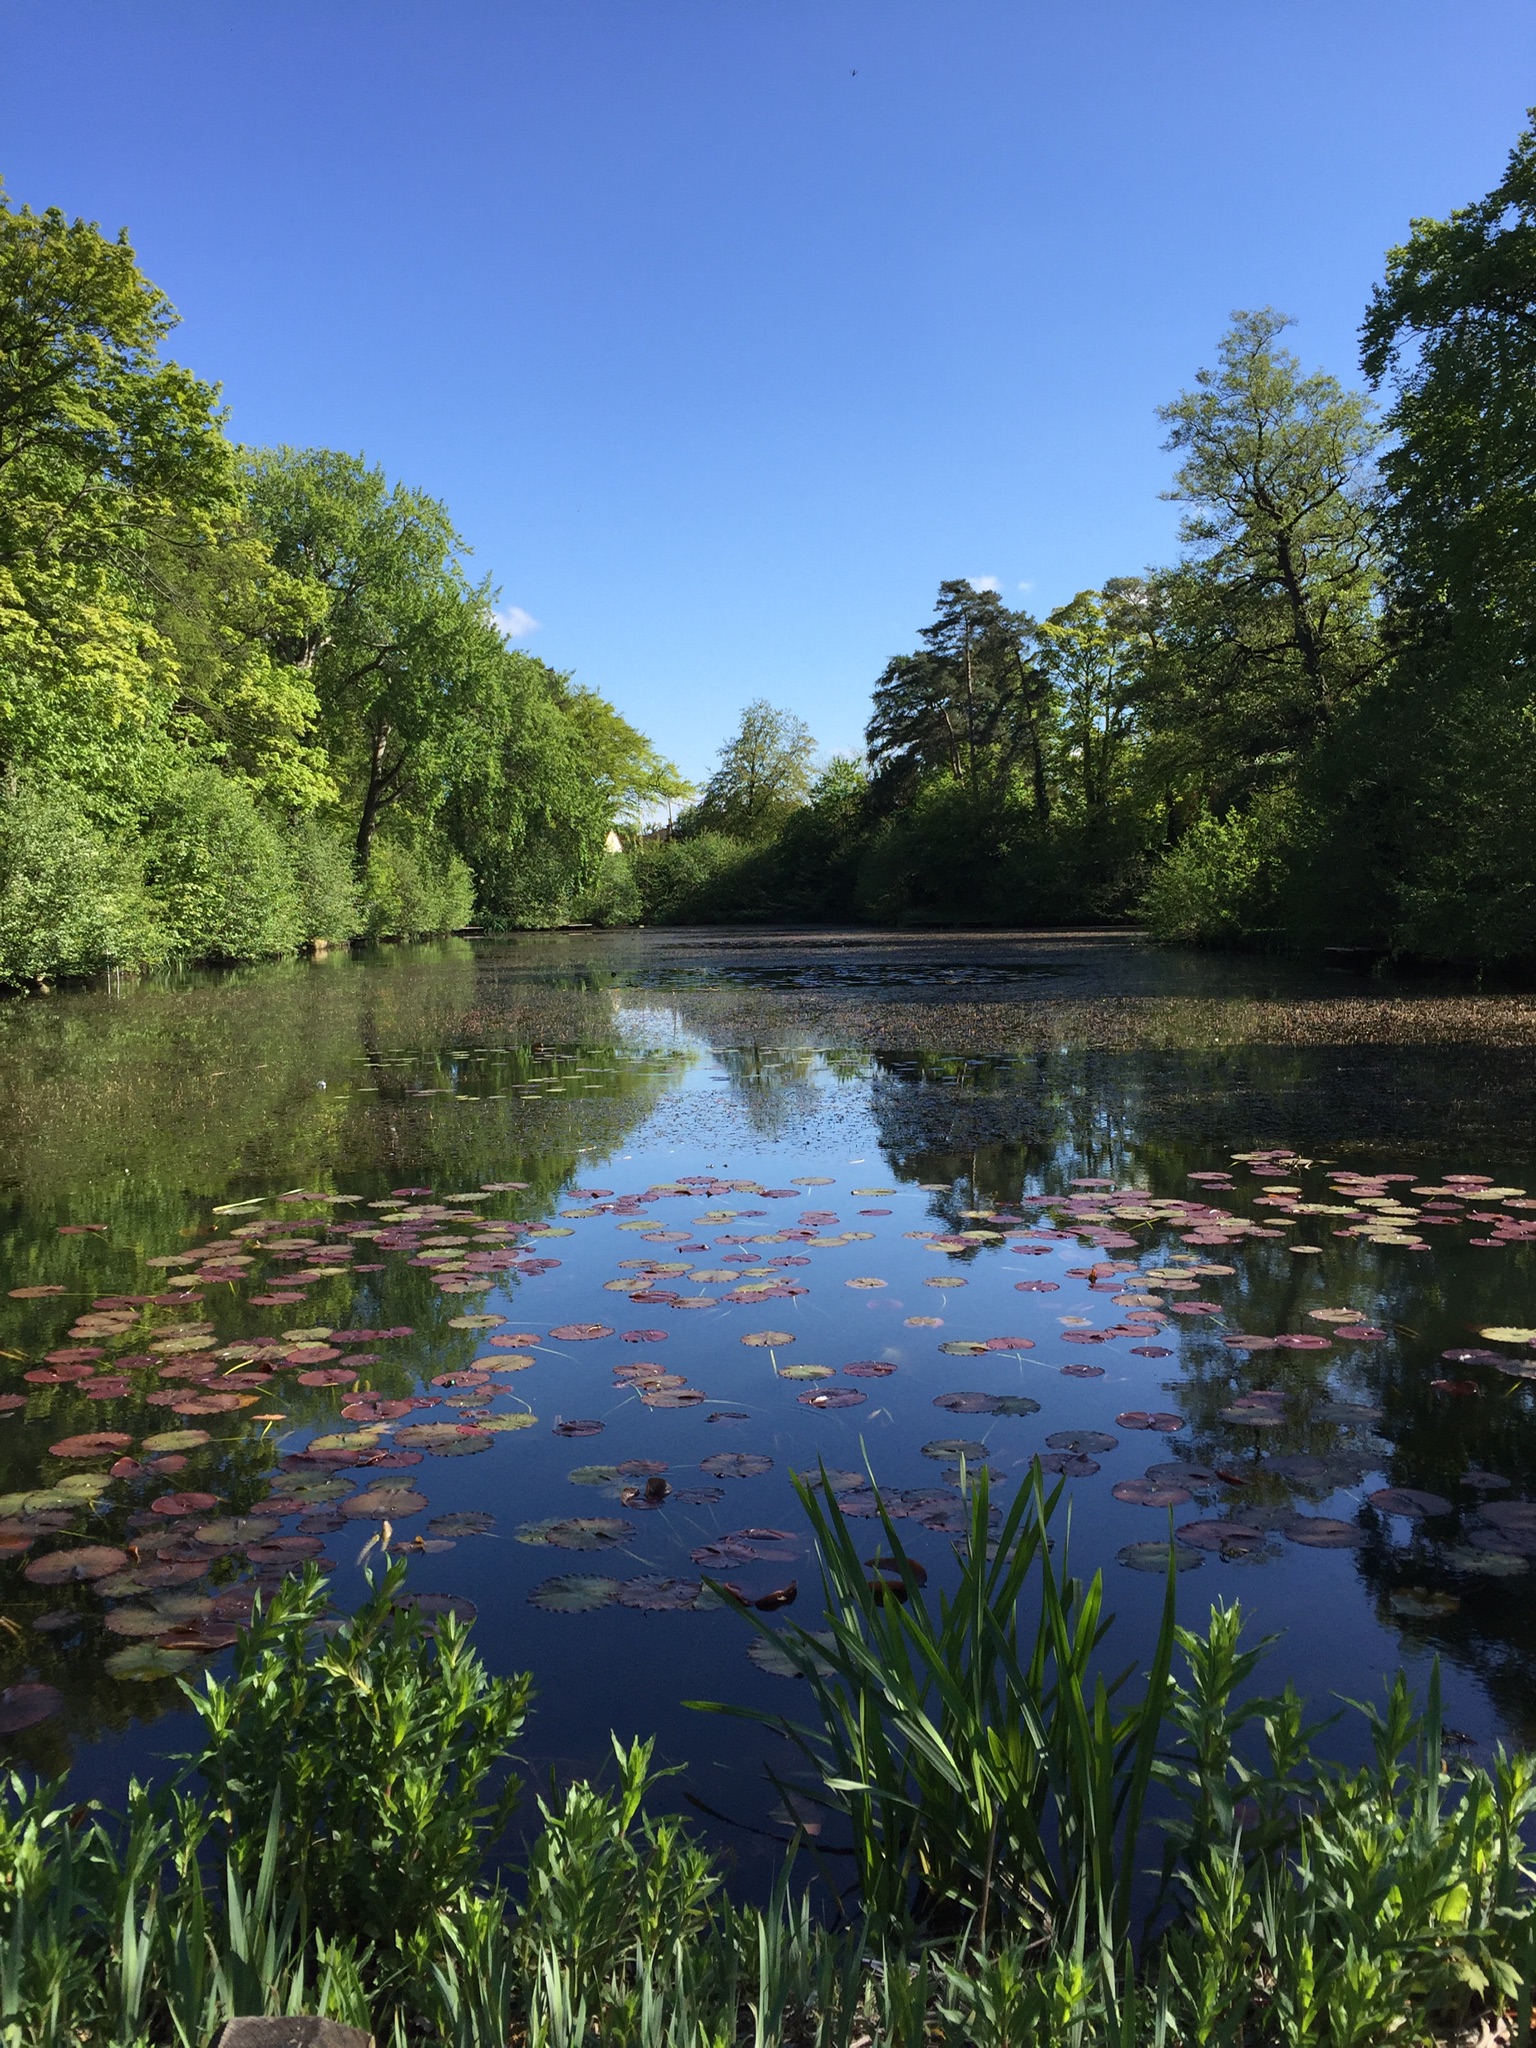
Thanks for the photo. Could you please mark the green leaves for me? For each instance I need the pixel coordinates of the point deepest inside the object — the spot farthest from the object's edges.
(385, 1743)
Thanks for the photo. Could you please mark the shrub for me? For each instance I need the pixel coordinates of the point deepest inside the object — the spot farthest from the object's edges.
(220, 871)
(412, 891)
(677, 879)
(379, 1745)
(325, 882)
(71, 900)
(1224, 882)
(614, 898)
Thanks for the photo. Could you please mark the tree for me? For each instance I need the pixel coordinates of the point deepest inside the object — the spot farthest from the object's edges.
(114, 476)
(626, 768)
(973, 703)
(1095, 650)
(765, 772)
(1434, 785)
(1270, 621)
(521, 801)
(401, 641)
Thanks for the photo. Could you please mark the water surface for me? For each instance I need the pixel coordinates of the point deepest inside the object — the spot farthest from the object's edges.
(802, 1113)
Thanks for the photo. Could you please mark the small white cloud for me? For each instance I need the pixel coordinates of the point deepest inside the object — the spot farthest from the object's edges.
(1026, 586)
(985, 582)
(513, 623)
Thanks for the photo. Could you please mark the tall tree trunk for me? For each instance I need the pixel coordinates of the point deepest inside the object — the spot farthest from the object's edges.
(373, 797)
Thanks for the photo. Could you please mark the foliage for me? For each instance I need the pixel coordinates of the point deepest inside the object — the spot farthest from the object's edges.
(764, 775)
(175, 611)
(680, 880)
(410, 891)
(72, 901)
(219, 871)
(613, 898)
(969, 704)
(324, 882)
(1222, 883)
(376, 1743)
(983, 1774)
(336, 1858)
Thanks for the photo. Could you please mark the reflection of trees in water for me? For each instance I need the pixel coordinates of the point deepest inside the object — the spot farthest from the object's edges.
(775, 1087)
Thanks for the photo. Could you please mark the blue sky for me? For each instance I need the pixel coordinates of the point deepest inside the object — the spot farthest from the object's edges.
(727, 328)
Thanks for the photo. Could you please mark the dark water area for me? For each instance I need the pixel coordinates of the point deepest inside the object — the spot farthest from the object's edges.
(601, 1238)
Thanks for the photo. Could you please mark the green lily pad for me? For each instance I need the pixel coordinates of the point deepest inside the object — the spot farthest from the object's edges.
(769, 1654)
(577, 1532)
(144, 1662)
(1153, 1557)
(593, 1475)
(502, 1425)
(575, 1593)
(229, 1529)
(805, 1372)
(347, 1440)
(176, 1440)
(472, 1522)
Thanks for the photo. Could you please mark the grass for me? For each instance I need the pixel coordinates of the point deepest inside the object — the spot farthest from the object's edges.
(1040, 1853)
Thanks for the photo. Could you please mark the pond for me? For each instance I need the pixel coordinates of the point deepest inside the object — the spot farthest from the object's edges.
(551, 1260)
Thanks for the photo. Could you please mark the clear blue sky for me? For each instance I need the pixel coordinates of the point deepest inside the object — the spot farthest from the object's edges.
(727, 328)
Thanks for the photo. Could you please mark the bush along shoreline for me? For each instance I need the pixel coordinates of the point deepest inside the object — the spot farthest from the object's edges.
(338, 1845)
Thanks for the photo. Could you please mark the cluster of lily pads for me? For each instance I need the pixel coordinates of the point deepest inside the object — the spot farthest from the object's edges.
(181, 1574)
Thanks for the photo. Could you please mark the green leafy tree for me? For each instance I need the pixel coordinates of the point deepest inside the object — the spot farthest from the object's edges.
(765, 772)
(1270, 625)
(627, 770)
(974, 702)
(402, 640)
(1431, 790)
(115, 476)
(1095, 650)
(524, 803)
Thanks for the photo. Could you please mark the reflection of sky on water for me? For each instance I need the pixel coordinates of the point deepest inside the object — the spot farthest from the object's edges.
(446, 1068)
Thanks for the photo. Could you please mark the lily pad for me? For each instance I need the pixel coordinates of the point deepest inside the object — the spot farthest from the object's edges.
(575, 1593)
(26, 1705)
(1324, 1532)
(593, 1475)
(231, 1530)
(947, 1447)
(967, 1403)
(767, 1339)
(483, 1322)
(736, 1465)
(577, 1532)
(1410, 1501)
(580, 1333)
(657, 1595)
(1083, 1441)
(383, 1504)
(833, 1397)
(805, 1372)
(96, 1443)
(146, 1661)
(1015, 1404)
(468, 1522)
(65, 1567)
(176, 1440)
(1153, 1557)
(769, 1654)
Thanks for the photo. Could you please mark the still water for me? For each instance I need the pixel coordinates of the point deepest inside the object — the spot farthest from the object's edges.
(555, 1258)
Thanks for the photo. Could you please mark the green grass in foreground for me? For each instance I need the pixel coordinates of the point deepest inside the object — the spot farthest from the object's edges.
(1038, 1855)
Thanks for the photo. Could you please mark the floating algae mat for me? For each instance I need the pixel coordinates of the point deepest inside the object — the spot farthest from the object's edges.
(592, 1246)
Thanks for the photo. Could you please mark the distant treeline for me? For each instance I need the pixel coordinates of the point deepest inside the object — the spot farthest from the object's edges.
(249, 698)
(1317, 727)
